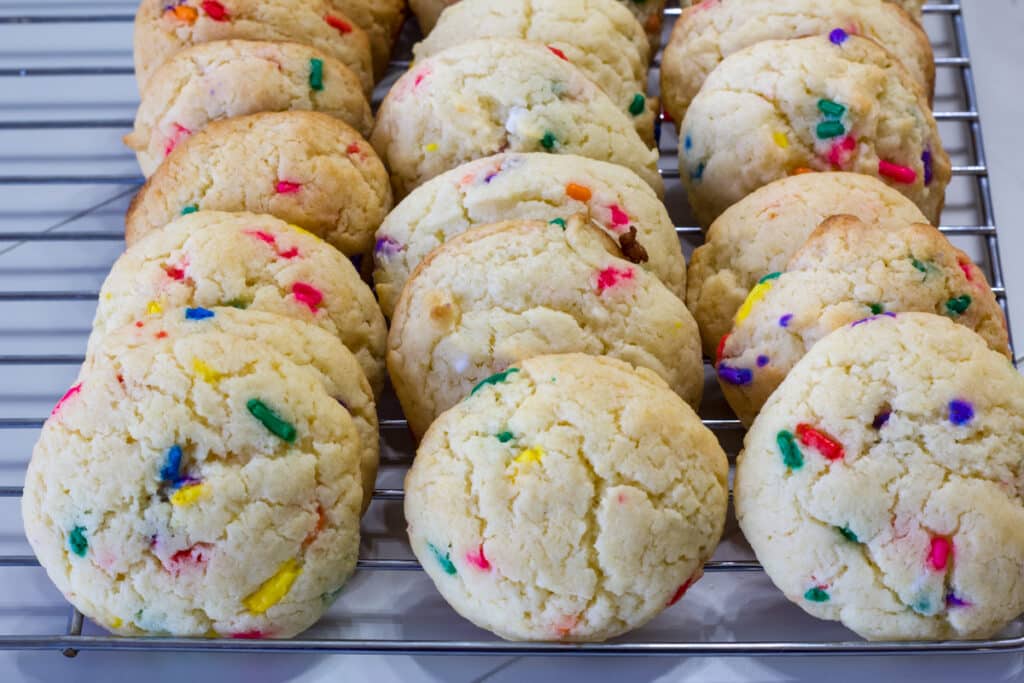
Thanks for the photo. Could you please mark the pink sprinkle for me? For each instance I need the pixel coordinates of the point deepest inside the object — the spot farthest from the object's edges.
(680, 592)
(478, 559)
(619, 217)
(353, 148)
(308, 294)
(896, 173)
(248, 635)
(287, 187)
(418, 79)
(611, 276)
(67, 395)
(289, 253)
(175, 272)
(195, 556)
(558, 53)
(938, 554)
(180, 132)
(966, 268)
(262, 236)
(840, 152)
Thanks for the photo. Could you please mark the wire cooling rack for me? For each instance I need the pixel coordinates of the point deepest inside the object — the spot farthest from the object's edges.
(66, 97)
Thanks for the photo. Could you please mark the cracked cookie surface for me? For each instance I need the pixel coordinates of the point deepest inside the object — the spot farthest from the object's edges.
(252, 261)
(570, 500)
(880, 486)
(524, 186)
(197, 486)
(498, 294)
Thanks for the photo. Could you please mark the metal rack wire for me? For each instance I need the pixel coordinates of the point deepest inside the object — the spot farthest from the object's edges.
(982, 229)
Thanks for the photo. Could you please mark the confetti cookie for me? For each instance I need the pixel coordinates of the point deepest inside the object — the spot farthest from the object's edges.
(707, 33)
(760, 233)
(544, 187)
(848, 271)
(300, 342)
(472, 100)
(304, 167)
(571, 498)
(382, 20)
(161, 29)
(498, 294)
(600, 37)
(231, 78)
(780, 107)
(881, 484)
(164, 501)
(250, 261)
(647, 12)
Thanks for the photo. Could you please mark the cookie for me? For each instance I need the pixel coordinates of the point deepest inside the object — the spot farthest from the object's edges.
(249, 261)
(544, 187)
(848, 271)
(572, 500)
(824, 103)
(647, 12)
(163, 501)
(911, 7)
(495, 295)
(300, 342)
(707, 33)
(880, 485)
(161, 29)
(760, 233)
(382, 20)
(231, 78)
(304, 167)
(472, 101)
(600, 37)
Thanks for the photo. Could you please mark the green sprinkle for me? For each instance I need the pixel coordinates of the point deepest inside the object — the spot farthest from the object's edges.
(637, 106)
(958, 305)
(816, 595)
(848, 535)
(237, 303)
(77, 541)
(504, 437)
(830, 108)
(769, 276)
(560, 222)
(549, 140)
(876, 309)
(271, 420)
(191, 208)
(923, 267)
(791, 455)
(922, 606)
(444, 560)
(316, 74)
(830, 129)
(494, 379)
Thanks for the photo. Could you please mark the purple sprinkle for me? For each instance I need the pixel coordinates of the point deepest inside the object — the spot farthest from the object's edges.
(960, 412)
(887, 314)
(489, 177)
(387, 246)
(784, 320)
(184, 481)
(881, 419)
(859, 322)
(737, 376)
(926, 159)
(953, 601)
(341, 403)
(762, 361)
(838, 36)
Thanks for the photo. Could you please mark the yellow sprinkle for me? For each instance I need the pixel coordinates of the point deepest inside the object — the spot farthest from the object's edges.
(211, 634)
(154, 307)
(205, 371)
(756, 294)
(273, 589)
(116, 622)
(432, 147)
(527, 456)
(302, 230)
(780, 139)
(108, 296)
(188, 495)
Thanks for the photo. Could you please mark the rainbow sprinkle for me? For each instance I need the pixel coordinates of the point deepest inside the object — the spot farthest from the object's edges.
(876, 309)
(548, 140)
(154, 308)
(838, 36)
(829, 129)
(680, 592)
(820, 441)
(316, 74)
(188, 495)
(341, 25)
(791, 455)
(194, 556)
(735, 376)
(77, 541)
(504, 437)
(66, 397)
(958, 305)
(478, 559)
(198, 313)
(171, 471)
(497, 378)
(287, 187)
(780, 139)
(580, 193)
(529, 455)
(215, 10)
(560, 222)
(926, 161)
(183, 13)
(847, 534)
(830, 108)
(274, 423)
(638, 104)
(273, 590)
(619, 217)
(307, 294)
(939, 552)
(387, 246)
(785, 320)
(896, 173)
(208, 374)
(612, 276)
(960, 412)
(816, 594)
(558, 53)
(698, 172)
(757, 293)
(762, 361)
(953, 601)
(444, 560)
(881, 419)
(841, 151)
(191, 208)
(720, 350)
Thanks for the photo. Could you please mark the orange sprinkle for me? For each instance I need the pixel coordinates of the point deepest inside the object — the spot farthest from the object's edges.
(185, 13)
(801, 170)
(578, 192)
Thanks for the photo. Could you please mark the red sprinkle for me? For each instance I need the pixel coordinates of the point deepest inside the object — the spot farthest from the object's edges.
(337, 23)
(478, 559)
(820, 441)
(966, 268)
(262, 236)
(215, 10)
(139, 323)
(162, 334)
(619, 217)
(721, 348)
(939, 552)
(680, 592)
(307, 294)
(287, 187)
(896, 173)
(839, 153)
(248, 635)
(321, 522)
(290, 253)
(195, 556)
(353, 148)
(180, 132)
(67, 395)
(558, 53)
(611, 276)
(175, 272)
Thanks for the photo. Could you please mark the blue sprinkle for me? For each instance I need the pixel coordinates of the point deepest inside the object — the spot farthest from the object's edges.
(762, 361)
(784, 320)
(960, 412)
(838, 36)
(926, 161)
(198, 313)
(736, 376)
(698, 172)
(172, 467)
(881, 419)
(688, 143)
